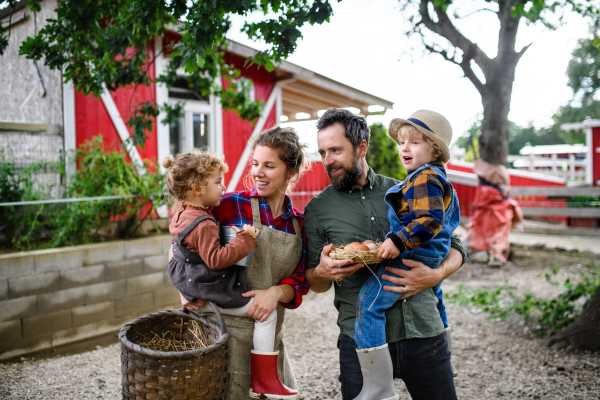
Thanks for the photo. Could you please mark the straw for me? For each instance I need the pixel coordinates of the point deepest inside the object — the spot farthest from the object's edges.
(170, 343)
(359, 256)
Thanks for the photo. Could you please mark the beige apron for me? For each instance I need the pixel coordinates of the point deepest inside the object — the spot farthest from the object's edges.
(277, 256)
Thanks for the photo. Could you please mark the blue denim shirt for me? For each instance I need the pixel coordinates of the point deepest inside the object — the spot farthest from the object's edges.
(436, 250)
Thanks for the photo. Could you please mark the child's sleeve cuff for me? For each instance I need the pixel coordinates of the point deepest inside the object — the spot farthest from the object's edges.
(397, 242)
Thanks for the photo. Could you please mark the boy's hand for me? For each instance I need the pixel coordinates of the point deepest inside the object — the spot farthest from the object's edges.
(388, 250)
(248, 228)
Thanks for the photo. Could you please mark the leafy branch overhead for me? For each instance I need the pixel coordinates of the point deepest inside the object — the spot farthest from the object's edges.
(99, 43)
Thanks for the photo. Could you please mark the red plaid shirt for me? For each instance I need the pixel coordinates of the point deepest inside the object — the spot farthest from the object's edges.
(235, 209)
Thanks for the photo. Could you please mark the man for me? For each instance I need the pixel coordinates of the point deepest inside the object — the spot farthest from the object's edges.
(352, 209)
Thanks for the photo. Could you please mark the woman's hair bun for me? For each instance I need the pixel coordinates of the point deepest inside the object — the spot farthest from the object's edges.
(167, 162)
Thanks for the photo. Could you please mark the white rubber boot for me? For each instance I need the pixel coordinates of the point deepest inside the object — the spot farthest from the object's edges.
(378, 374)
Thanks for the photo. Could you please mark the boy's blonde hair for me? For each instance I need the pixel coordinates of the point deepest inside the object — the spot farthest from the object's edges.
(409, 132)
(189, 172)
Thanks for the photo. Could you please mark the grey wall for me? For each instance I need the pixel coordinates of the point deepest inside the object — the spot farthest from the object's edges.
(19, 76)
(54, 297)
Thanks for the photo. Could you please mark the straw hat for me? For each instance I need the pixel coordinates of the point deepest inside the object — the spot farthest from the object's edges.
(431, 124)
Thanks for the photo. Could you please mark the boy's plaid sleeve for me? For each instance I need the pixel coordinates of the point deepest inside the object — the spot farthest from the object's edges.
(425, 198)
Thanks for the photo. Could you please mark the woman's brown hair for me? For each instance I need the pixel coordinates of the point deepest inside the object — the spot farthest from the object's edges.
(286, 142)
(189, 172)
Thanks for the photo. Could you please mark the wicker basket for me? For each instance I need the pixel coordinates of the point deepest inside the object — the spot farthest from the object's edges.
(191, 375)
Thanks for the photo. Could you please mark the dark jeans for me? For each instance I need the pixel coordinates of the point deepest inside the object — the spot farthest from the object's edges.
(423, 365)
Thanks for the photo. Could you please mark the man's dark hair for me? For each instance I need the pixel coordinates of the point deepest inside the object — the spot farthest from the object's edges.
(355, 126)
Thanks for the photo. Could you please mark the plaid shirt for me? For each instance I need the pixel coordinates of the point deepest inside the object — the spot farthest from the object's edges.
(235, 209)
(420, 206)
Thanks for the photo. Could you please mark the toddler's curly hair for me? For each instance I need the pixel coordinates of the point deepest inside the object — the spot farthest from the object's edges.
(189, 172)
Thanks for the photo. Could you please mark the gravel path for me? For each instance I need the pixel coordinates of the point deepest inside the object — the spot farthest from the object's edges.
(495, 360)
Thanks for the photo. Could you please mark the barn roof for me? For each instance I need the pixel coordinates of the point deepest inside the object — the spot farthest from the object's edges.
(554, 149)
(305, 91)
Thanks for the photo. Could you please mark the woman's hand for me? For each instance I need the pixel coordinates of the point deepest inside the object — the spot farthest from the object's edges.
(265, 301)
(191, 306)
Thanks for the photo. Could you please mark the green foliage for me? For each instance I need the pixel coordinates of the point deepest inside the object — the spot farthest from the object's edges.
(100, 172)
(141, 121)
(583, 70)
(99, 43)
(552, 315)
(519, 136)
(19, 184)
(589, 109)
(383, 154)
(470, 140)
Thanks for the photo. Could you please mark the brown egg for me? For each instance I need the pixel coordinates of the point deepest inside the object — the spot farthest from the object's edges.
(356, 246)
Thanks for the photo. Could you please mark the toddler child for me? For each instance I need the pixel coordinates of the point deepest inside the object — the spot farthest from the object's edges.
(200, 266)
(423, 212)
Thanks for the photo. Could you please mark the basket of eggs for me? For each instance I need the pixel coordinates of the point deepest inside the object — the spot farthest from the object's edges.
(365, 252)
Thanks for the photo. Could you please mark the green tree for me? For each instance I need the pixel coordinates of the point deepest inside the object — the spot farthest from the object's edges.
(435, 22)
(583, 72)
(383, 154)
(101, 43)
(574, 113)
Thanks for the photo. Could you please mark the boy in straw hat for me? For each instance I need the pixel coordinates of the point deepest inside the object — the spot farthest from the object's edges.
(423, 212)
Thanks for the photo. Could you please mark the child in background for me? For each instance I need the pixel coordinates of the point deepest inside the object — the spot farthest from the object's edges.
(423, 212)
(201, 267)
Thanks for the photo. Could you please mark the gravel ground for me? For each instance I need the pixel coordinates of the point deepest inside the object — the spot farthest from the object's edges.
(494, 360)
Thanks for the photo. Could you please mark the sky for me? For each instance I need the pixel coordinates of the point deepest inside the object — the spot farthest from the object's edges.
(365, 46)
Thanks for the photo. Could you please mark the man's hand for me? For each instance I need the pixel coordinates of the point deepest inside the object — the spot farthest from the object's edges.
(329, 270)
(420, 276)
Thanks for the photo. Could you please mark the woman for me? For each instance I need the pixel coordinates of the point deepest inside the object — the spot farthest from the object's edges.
(276, 273)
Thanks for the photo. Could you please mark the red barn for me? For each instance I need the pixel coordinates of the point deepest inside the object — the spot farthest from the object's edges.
(287, 92)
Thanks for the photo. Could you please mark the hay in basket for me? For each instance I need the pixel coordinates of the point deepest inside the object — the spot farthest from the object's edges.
(358, 256)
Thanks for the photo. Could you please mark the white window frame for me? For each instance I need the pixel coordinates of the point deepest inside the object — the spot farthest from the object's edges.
(196, 107)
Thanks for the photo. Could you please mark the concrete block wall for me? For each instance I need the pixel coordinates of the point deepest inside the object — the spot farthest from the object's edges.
(54, 297)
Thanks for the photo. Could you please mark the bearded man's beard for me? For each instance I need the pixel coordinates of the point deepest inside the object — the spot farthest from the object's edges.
(348, 176)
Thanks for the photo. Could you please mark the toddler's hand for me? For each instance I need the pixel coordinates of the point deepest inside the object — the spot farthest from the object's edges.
(248, 228)
(388, 250)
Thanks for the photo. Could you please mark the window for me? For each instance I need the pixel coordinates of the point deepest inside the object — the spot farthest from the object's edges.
(194, 127)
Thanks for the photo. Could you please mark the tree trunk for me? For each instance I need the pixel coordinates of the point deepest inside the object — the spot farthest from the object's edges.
(584, 332)
(493, 142)
(497, 90)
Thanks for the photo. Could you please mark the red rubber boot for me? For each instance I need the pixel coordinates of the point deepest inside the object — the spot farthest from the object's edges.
(265, 379)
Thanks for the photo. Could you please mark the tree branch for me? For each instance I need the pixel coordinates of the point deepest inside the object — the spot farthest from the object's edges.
(446, 29)
(474, 12)
(507, 38)
(465, 65)
(470, 74)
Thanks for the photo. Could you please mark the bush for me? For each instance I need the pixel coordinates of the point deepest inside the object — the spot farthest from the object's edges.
(383, 154)
(100, 172)
(552, 315)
